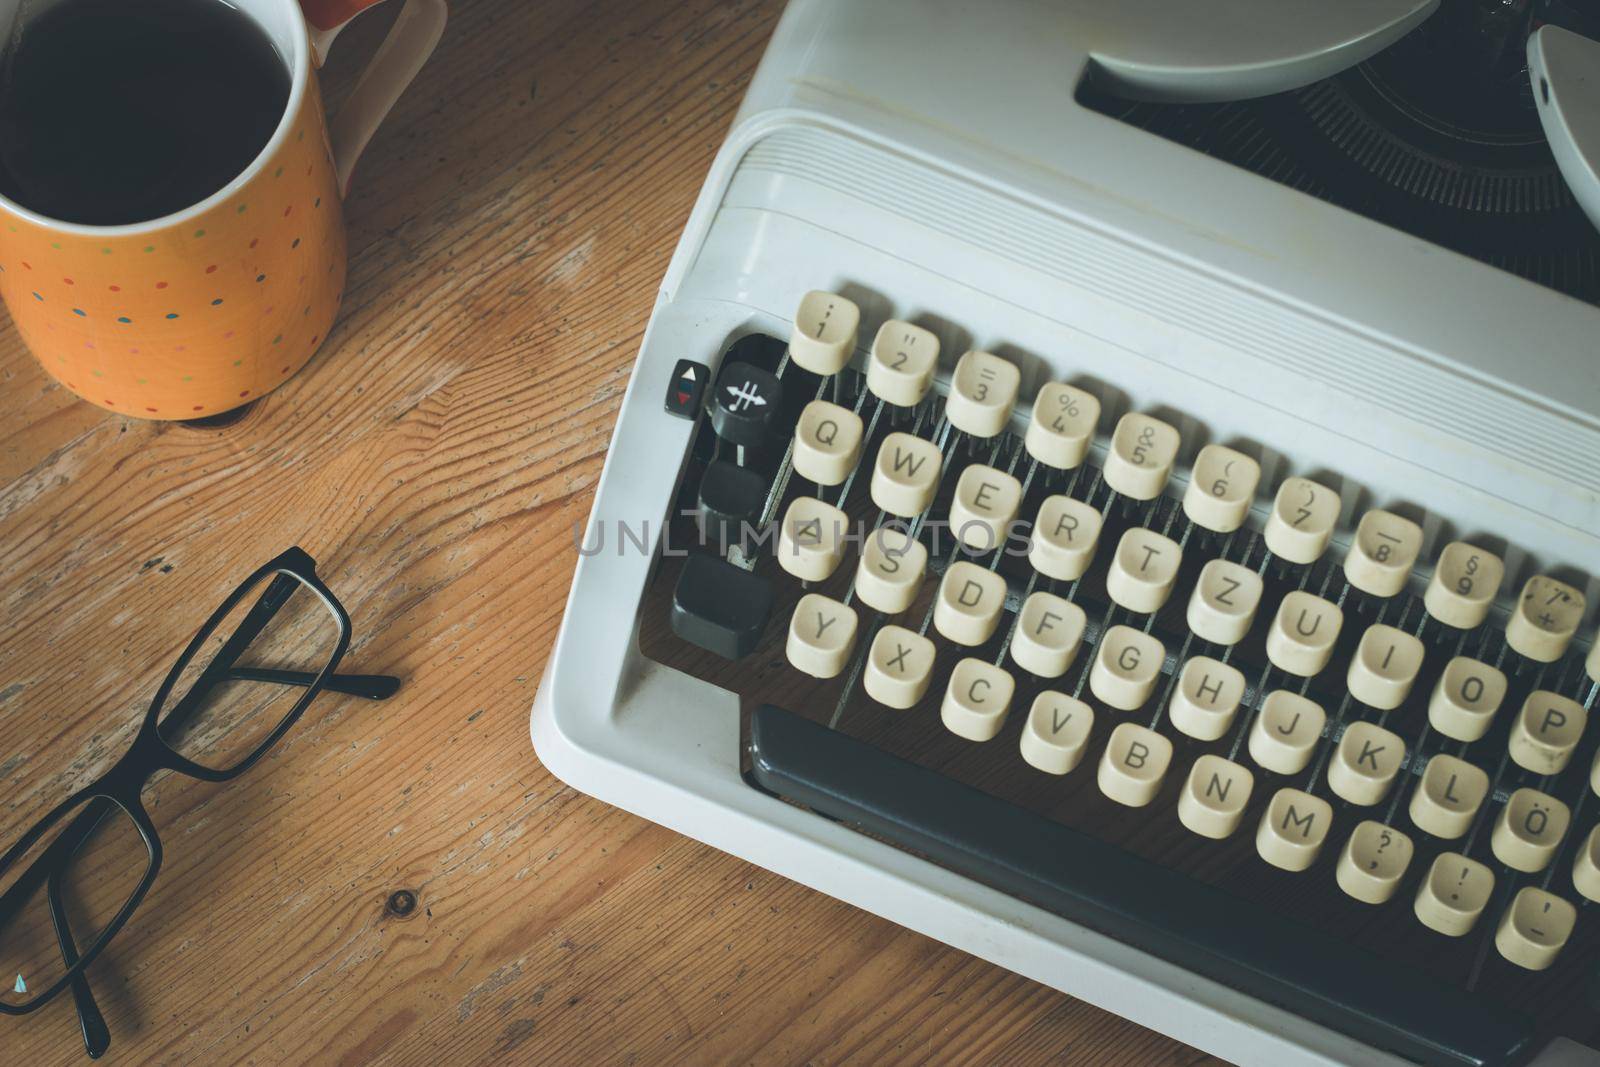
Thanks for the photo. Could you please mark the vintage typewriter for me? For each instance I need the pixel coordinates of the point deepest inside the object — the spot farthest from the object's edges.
(1116, 488)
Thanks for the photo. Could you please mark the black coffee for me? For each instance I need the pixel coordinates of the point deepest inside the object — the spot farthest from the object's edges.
(119, 111)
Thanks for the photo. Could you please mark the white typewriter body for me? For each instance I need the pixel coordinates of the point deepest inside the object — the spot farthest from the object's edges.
(928, 161)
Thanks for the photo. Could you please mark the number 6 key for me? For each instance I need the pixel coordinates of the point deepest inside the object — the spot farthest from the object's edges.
(1221, 488)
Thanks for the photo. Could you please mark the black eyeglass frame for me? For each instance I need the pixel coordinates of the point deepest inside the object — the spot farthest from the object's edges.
(151, 753)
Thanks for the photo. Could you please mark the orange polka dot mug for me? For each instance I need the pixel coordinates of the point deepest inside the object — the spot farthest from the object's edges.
(206, 309)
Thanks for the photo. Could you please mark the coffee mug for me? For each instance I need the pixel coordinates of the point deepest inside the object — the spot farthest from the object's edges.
(206, 309)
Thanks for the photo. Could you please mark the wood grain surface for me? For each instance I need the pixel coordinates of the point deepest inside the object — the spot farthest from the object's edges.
(509, 227)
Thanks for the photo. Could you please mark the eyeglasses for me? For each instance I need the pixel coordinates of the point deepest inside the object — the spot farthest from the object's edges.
(73, 880)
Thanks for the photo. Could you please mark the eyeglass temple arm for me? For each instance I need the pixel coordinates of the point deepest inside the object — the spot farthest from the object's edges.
(371, 686)
(96, 1034)
(266, 606)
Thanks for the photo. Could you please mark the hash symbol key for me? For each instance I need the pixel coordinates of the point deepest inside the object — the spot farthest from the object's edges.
(745, 405)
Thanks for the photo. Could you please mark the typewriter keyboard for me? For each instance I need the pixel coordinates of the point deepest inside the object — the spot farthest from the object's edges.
(1078, 623)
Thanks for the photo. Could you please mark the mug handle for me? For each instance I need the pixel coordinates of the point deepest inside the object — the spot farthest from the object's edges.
(397, 62)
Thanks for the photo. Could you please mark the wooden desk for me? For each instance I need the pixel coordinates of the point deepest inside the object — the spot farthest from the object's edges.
(509, 227)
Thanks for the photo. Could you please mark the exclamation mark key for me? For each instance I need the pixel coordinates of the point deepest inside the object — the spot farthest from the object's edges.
(1454, 894)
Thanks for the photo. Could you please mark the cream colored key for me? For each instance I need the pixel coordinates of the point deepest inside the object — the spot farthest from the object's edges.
(1223, 605)
(1286, 732)
(1466, 698)
(822, 632)
(1214, 796)
(1594, 775)
(827, 443)
(1591, 665)
(1384, 667)
(1546, 732)
(889, 575)
(1586, 867)
(824, 335)
(811, 540)
(1535, 928)
(983, 390)
(1126, 667)
(1447, 799)
(1292, 829)
(984, 505)
(1062, 427)
(969, 603)
(1463, 586)
(1143, 570)
(1544, 619)
(905, 475)
(1383, 553)
(1374, 860)
(1222, 487)
(1364, 764)
(1529, 830)
(976, 700)
(901, 363)
(1133, 764)
(1303, 633)
(1057, 732)
(1302, 520)
(1206, 698)
(1064, 538)
(1047, 635)
(1139, 461)
(899, 667)
(1454, 894)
